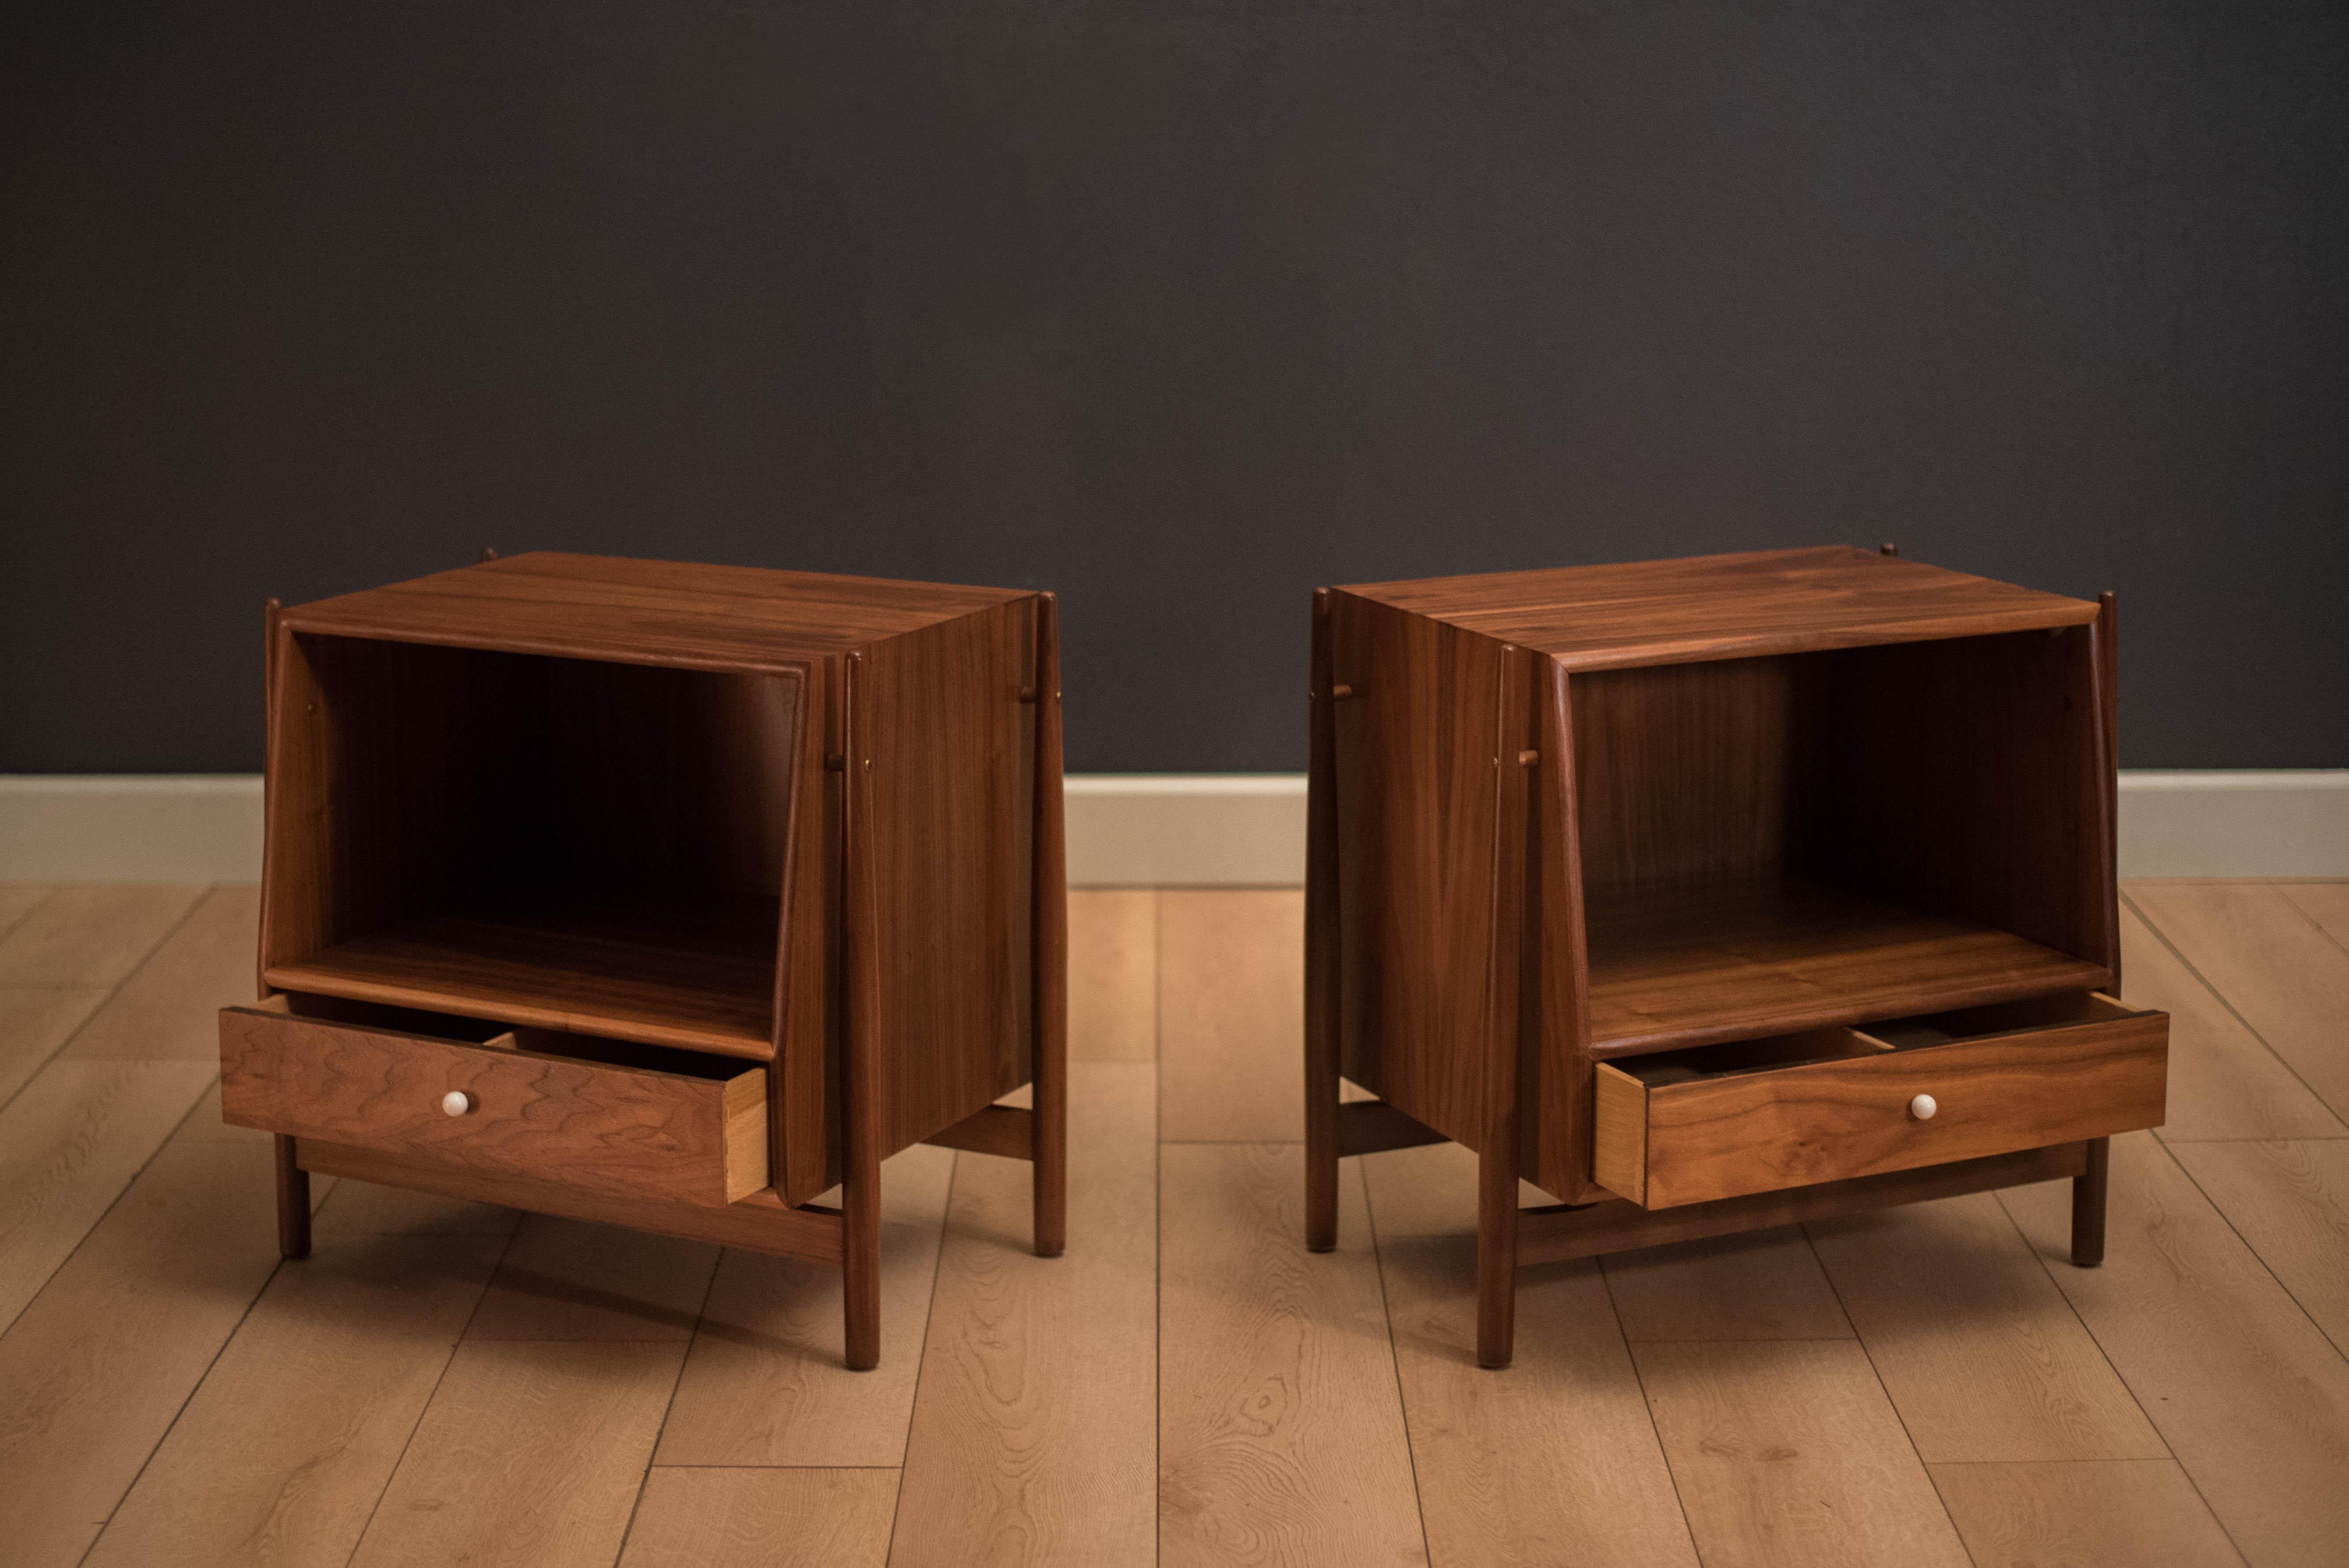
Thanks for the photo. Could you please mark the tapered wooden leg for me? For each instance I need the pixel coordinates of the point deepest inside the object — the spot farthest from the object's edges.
(2088, 1206)
(1496, 1256)
(860, 1213)
(861, 1119)
(1321, 950)
(292, 1202)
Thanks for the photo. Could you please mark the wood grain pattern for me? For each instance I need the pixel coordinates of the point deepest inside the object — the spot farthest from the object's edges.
(2113, 1513)
(1556, 1461)
(1282, 1436)
(1976, 1346)
(1032, 1432)
(2274, 966)
(528, 1454)
(760, 1222)
(1113, 975)
(765, 1383)
(1763, 1285)
(34, 1022)
(315, 1396)
(368, 1209)
(1558, 1235)
(2252, 1398)
(1232, 988)
(1047, 945)
(672, 1131)
(2224, 1082)
(1721, 963)
(90, 934)
(1786, 1451)
(168, 1008)
(741, 1518)
(2325, 903)
(570, 1280)
(645, 612)
(69, 1143)
(2291, 1202)
(1727, 1136)
(93, 1373)
(18, 900)
(1726, 606)
(1619, 1150)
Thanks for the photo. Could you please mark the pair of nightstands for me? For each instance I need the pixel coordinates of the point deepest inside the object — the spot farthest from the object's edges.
(1704, 895)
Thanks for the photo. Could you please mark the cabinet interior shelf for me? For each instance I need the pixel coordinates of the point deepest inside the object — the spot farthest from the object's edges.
(695, 971)
(1701, 964)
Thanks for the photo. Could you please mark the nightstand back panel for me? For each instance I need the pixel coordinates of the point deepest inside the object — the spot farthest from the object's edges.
(1416, 778)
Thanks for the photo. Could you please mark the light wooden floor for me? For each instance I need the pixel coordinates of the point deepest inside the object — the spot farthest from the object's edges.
(451, 1383)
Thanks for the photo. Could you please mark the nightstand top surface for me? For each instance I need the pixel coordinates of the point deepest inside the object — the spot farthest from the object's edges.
(645, 612)
(1727, 606)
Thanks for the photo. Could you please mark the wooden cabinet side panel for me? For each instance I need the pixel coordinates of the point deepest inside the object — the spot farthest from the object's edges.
(1555, 1152)
(1413, 769)
(952, 759)
(1724, 1136)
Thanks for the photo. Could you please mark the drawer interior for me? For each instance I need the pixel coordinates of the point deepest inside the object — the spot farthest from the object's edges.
(630, 1054)
(2060, 1010)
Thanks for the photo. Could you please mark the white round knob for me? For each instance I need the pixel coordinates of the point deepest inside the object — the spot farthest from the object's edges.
(1922, 1107)
(457, 1102)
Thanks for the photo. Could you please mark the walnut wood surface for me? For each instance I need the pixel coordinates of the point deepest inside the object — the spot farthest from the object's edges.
(760, 1222)
(1725, 607)
(1727, 1136)
(1008, 1131)
(1373, 1127)
(645, 612)
(1560, 1235)
(629, 1130)
(1687, 966)
(1048, 943)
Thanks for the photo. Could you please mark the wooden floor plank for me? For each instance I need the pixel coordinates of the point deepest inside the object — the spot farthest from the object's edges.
(368, 1209)
(1282, 1436)
(2249, 1396)
(1113, 975)
(1033, 1431)
(2224, 1082)
(767, 1382)
(529, 1456)
(2097, 1514)
(2326, 904)
(285, 1450)
(571, 1279)
(1552, 1461)
(1231, 1011)
(35, 1021)
(169, 1007)
(1786, 1452)
(93, 1373)
(69, 1143)
(1764, 1284)
(18, 900)
(1981, 1355)
(761, 1518)
(2272, 963)
(92, 934)
(2291, 1202)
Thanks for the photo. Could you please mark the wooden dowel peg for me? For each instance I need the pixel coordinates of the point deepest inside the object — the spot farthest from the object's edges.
(1527, 758)
(1892, 550)
(1027, 694)
(489, 553)
(1341, 693)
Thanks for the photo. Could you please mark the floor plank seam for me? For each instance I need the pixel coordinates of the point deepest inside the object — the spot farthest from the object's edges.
(913, 1404)
(661, 1430)
(1394, 1356)
(106, 1000)
(2220, 997)
(48, 891)
(2183, 1467)
(2220, 1210)
(1877, 1372)
(2322, 929)
(1639, 1381)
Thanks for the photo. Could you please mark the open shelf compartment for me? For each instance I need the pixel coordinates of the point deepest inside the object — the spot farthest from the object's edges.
(567, 844)
(1768, 845)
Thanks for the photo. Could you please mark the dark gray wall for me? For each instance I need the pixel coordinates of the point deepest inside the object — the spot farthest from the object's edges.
(1179, 308)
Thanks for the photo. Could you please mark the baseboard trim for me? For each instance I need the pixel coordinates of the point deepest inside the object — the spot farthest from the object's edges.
(1135, 830)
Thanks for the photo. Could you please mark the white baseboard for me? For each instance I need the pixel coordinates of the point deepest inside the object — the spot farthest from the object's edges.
(1135, 829)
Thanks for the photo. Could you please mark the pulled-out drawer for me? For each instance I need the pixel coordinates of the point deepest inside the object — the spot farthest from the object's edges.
(1718, 1121)
(630, 1119)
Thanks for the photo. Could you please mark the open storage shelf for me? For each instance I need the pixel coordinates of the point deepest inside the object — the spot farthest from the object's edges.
(569, 843)
(1778, 843)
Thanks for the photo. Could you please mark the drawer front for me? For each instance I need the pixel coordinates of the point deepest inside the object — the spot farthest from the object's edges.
(1664, 1145)
(619, 1130)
